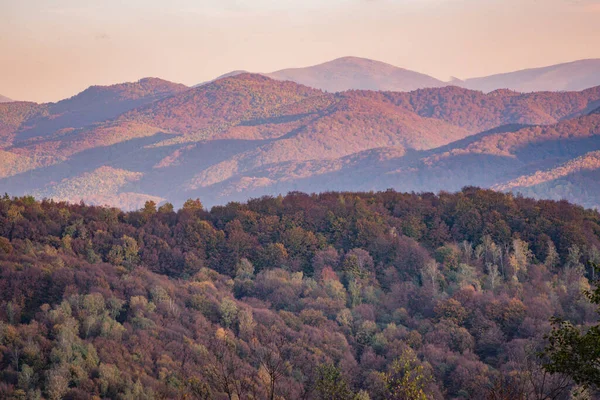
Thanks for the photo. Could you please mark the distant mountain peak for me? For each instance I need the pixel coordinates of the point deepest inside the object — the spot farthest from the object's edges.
(348, 73)
(353, 58)
(4, 99)
(357, 60)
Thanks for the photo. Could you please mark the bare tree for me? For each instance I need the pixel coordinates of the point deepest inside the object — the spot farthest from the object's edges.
(268, 355)
(527, 380)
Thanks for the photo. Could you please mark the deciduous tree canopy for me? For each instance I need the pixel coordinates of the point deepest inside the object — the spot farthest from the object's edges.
(338, 295)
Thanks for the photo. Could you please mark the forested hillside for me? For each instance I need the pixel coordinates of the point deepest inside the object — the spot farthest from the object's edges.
(332, 296)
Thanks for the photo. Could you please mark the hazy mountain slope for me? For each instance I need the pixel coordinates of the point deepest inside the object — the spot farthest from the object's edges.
(13, 163)
(587, 162)
(227, 101)
(580, 186)
(67, 143)
(14, 116)
(4, 99)
(97, 104)
(491, 159)
(477, 112)
(38, 135)
(350, 125)
(577, 75)
(575, 179)
(261, 168)
(357, 73)
(499, 158)
(100, 186)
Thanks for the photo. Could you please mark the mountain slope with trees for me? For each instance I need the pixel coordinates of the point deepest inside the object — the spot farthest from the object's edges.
(339, 295)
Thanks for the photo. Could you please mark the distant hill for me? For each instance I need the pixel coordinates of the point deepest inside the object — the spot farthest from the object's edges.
(4, 99)
(93, 105)
(357, 73)
(577, 75)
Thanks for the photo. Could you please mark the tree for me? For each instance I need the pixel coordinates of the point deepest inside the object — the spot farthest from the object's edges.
(552, 258)
(575, 351)
(228, 310)
(331, 384)
(225, 372)
(269, 356)
(429, 274)
(520, 256)
(193, 205)
(166, 208)
(406, 379)
(149, 208)
(493, 275)
(5, 246)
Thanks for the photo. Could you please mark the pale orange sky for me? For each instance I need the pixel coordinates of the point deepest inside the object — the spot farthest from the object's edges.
(53, 49)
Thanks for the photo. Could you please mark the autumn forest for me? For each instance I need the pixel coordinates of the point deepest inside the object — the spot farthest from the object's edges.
(331, 296)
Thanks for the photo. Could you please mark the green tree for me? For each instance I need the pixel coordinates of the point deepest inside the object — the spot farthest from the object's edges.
(149, 208)
(331, 384)
(193, 205)
(228, 310)
(406, 379)
(575, 351)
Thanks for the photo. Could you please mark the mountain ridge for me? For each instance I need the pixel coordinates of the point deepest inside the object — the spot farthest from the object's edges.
(570, 76)
(358, 73)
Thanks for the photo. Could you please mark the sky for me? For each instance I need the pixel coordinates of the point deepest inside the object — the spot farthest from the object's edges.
(53, 49)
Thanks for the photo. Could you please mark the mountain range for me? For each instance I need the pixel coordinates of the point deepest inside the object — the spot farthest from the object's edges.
(354, 73)
(248, 135)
